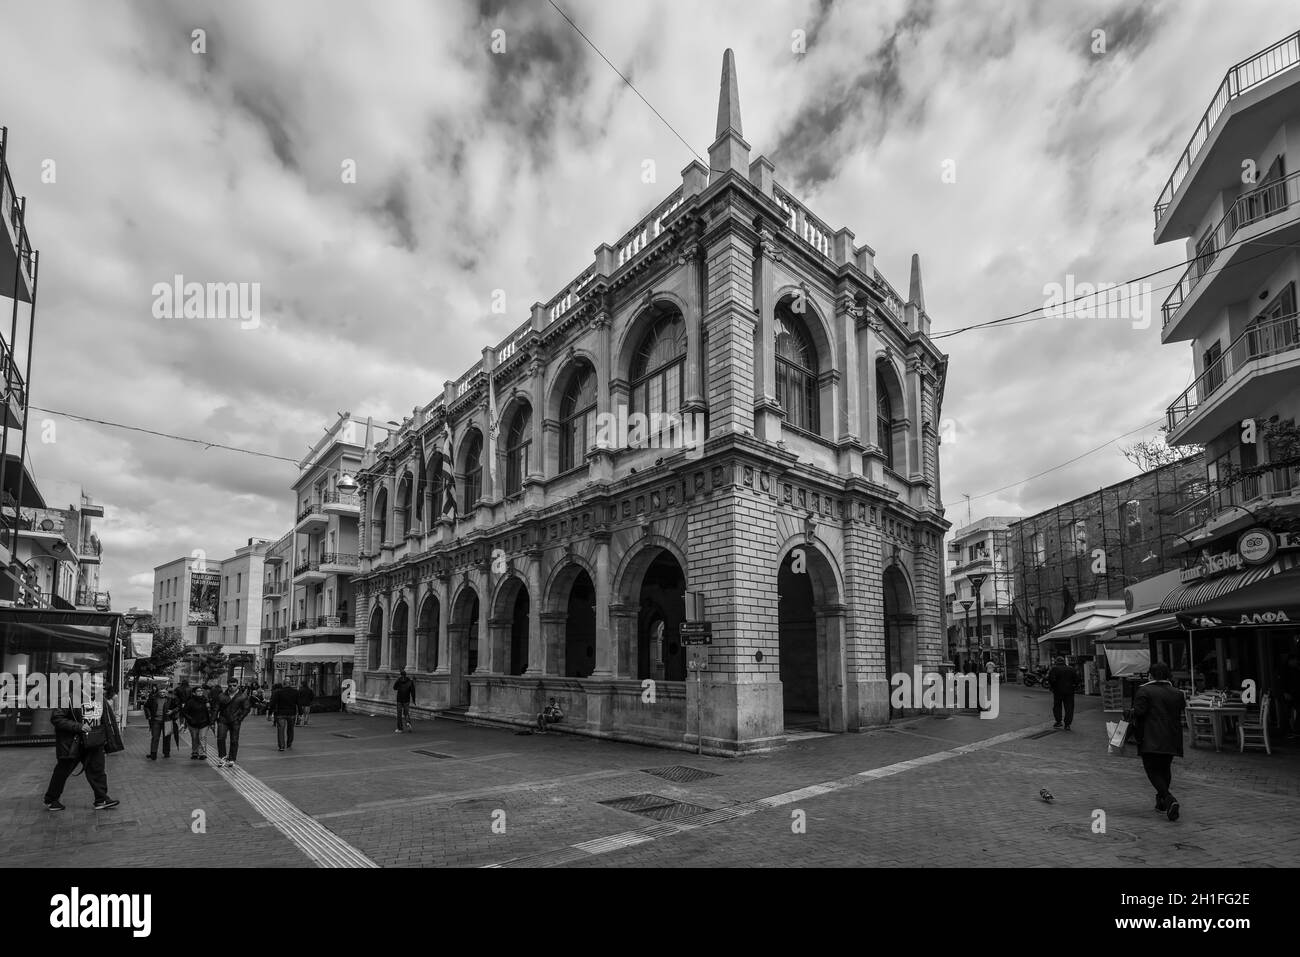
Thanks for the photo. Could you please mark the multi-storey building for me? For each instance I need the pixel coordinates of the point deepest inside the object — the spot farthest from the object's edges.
(982, 621)
(277, 567)
(59, 555)
(1234, 200)
(19, 264)
(324, 550)
(729, 417)
(187, 597)
(1095, 546)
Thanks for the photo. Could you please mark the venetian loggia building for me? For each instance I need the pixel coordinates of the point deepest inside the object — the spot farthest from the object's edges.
(778, 477)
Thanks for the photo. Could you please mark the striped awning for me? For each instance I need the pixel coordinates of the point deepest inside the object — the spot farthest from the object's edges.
(1193, 593)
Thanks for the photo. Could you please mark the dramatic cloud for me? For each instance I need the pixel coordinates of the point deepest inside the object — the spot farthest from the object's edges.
(478, 171)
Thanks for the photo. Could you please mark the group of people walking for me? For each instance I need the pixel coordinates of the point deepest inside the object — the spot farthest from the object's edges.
(84, 735)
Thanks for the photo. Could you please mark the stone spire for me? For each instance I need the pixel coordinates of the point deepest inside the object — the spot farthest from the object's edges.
(915, 294)
(729, 151)
(729, 98)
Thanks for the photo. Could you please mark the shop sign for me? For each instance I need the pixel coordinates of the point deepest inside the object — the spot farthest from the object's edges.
(1256, 546)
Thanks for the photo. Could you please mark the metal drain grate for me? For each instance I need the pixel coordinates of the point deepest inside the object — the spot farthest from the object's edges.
(1041, 734)
(342, 734)
(656, 807)
(430, 754)
(679, 773)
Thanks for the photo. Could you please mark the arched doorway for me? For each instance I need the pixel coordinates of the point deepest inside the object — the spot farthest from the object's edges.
(797, 629)
(462, 636)
(580, 628)
(375, 639)
(662, 609)
(397, 634)
(900, 623)
(426, 635)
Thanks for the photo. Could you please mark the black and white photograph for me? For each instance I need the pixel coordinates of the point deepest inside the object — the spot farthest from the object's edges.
(555, 434)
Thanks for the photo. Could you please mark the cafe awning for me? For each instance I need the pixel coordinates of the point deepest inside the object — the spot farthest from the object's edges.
(1144, 622)
(1268, 602)
(1092, 621)
(1190, 594)
(321, 651)
(1126, 659)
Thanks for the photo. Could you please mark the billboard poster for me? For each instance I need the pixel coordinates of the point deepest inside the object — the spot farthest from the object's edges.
(204, 590)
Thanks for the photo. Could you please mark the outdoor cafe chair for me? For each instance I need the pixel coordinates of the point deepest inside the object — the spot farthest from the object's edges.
(1252, 730)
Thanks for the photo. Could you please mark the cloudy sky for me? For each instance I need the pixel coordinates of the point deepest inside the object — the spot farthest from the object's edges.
(478, 171)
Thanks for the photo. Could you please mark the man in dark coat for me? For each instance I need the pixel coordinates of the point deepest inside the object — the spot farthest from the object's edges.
(405, 689)
(70, 749)
(305, 698)
(233, 706)
(160, 709)
(1061, 679)
(198, 716)
(284, 706)
(1157, 725)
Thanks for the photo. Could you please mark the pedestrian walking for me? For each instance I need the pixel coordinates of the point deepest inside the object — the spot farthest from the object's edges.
(1062, 680)
(183, 692)
(160, 710)
(405, 689)
(1158, 726)
(233, 706)
(305, 699)
(284, 706)
(198, 716)
(79, 738)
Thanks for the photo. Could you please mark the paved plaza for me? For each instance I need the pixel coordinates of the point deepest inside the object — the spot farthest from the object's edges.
(928, 791)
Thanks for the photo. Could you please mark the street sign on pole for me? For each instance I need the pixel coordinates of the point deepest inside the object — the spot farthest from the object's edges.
(696, 632)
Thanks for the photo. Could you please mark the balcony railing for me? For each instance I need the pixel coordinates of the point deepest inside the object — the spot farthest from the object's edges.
(274, 634)
(306, 567)
(1257, 341)
(803, 223)
(311, 508)
(335, 497)
(339, 558)
(14, 386)
(42, 520)
(319, 621)
(1248, 208)
(100, 600)
(1260, 485)
(11, 211)
(1246, 75)
(645, 232)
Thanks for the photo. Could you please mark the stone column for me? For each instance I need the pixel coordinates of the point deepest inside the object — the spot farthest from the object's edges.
(606, 658)
(412, 647)
(537, 451)
(916, 413)
(479, 580)
(555, 635)
(499, 629)
(602, 459)
(444, 617)
(536, 638)
(768, 415)
(385, 645)
(693, 258)
(848, 392)
(868, 332)
(622, 622)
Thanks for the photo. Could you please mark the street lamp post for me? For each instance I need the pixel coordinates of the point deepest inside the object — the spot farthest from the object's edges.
(966, 603)
(977, 584)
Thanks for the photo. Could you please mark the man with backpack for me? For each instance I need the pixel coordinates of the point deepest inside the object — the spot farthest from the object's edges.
(233, 706)
(197, 713)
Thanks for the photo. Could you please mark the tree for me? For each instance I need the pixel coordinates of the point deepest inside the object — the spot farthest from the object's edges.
(1152, 453)
(167, 648)
(210, 661)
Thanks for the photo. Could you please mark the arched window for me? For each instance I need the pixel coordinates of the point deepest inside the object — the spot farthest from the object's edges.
(518, 439)
(796, 373)
(473, 470)
(884, 420)
(379, 521)
(659, 375)
(578, 418)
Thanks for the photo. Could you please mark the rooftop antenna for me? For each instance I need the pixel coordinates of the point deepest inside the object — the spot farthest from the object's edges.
(969, 520)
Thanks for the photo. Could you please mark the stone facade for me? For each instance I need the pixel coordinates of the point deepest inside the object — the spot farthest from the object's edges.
(807, 527)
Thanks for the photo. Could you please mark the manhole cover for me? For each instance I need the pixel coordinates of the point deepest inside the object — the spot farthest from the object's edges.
(679, 773)
(430, 754)
(655, 806)
(113, 825)
(342, 734)
(1083, 832)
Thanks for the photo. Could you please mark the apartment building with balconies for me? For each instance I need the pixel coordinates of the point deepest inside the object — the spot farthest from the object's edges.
(18, 271)
(980, 595)
(277, 572)
(1233, 198)
(57, 557)
(324, 550)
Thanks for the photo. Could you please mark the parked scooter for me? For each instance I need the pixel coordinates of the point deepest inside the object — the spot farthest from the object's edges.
(1033, 679)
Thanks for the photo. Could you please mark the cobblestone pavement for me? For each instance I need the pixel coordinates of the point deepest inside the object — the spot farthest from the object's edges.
(940, 791)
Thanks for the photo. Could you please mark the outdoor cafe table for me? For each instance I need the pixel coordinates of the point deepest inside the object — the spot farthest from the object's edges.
(1219, 716)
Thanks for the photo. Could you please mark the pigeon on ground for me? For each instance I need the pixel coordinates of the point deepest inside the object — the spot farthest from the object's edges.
(1046, 795)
